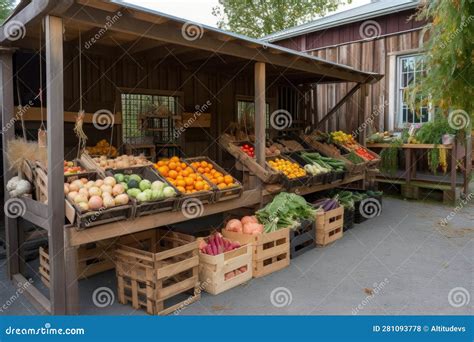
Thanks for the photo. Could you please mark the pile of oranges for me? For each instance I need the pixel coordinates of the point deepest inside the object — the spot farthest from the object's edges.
(290, 169)
(183, 177)
(215, 177)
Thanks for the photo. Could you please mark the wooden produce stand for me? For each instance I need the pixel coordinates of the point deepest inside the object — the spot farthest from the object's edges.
(146, 34)
(411, 181)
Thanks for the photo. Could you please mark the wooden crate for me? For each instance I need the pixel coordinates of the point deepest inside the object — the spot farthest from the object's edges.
(212, 269)
(265, 174)
(329, 226)
(165, 270)
(271, 251)
(220, 194)
(96, 257)
(83, 219)
(41, 185)
(148, 150)
(28, 171)
(302, 239)
(287, 182)
(150, 207)
(333, 152)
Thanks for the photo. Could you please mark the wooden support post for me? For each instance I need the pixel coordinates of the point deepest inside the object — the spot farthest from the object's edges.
(55, 115)
(453, 166)
(8, 129)
(468, 160)
(362, 128)
(260, 114)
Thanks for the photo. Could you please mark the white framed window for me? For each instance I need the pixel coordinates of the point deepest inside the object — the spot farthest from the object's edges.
(410, 68)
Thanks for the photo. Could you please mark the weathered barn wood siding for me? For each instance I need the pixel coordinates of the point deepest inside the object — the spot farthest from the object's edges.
(344, 45)
(104, 75)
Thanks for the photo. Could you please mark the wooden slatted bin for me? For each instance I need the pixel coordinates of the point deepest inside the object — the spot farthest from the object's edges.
(302, 238)
(329, 226)
(156, 277)
(96, 257)
(215, 270)
(271, 251)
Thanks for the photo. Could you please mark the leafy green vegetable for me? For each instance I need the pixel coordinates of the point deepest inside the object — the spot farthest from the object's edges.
(285, 211)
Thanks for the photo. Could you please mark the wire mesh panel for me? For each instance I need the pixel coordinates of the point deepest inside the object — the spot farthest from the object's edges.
(148, 119)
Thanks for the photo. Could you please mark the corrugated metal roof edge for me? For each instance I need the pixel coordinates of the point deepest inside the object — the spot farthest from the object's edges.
(313, 26)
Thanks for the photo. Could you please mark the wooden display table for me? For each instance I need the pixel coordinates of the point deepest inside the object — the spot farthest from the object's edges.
(412, 180)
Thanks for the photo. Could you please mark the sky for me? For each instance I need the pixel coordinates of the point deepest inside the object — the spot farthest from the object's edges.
(200, 11)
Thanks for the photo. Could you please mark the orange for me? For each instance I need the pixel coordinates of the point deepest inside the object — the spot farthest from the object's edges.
(199, 185)
(200, 170)
(189, 181)
(220, 179)
(179, 176)
(210, 166)
(218, 174)
(172, 165)
(181, 189)
(174, 159)
(178, 168)
(189, 187)
(206, 170)
(228, 179)
(180, 182)
(160, 163)
(189, 169)
(203, 163)
(185, 173)
(163, 170)
(173, 174)
(222, 185)
(192, 175)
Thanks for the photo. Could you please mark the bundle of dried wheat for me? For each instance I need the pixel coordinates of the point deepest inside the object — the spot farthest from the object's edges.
(19, 150)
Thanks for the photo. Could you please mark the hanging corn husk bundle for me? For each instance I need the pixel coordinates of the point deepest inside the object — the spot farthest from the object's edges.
(78, 129)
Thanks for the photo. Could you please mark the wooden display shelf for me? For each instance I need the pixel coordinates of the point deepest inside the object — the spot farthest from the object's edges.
(110, 230)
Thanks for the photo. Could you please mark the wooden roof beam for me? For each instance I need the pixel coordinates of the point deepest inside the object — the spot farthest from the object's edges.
(129, 24)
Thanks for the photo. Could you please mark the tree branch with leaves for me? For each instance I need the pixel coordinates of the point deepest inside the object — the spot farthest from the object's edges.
(257, 18)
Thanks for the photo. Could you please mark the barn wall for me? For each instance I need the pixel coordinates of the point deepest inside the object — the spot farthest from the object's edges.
(371, 56)
(104, 75)
(344, 45)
